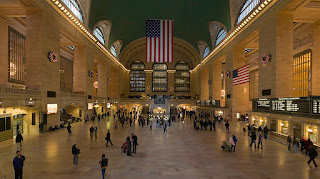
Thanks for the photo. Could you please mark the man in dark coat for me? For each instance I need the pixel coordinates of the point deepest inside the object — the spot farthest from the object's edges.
(313, 154)
(135, 143)
(19, 140)
(75, 153)
(108, 138)
(18, 165)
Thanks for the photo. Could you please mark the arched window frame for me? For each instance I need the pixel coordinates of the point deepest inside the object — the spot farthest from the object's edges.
(180, 75)
(75, 8)
(220, 36)
(97, 32)
(206, 52)
(247, 7)
(137, 77)
(157, 77)
(113, 50)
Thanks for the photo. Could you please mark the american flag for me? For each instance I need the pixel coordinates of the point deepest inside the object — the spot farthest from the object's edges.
(241, 75)
(159, 40)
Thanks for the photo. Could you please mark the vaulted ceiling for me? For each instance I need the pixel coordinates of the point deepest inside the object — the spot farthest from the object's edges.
(191, 17)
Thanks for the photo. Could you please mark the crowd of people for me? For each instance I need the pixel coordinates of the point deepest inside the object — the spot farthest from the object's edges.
(202, 122)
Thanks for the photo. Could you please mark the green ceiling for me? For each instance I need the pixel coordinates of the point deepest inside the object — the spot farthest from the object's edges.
(191, 17)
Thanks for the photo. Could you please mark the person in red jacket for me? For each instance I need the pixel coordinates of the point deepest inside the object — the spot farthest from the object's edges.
(308, 145)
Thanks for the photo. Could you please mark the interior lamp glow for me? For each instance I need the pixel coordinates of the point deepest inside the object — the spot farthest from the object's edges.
(281, 124)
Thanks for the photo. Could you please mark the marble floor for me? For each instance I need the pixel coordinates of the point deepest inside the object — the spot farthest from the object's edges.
(180, 153)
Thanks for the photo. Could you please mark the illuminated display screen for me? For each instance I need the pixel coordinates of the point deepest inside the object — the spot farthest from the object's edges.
(52, 108)
(90, 106)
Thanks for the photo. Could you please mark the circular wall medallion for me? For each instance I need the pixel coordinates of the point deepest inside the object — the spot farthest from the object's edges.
(90, 73)
(52, 57)
(228, 74)
(209, 82)
(265, 59)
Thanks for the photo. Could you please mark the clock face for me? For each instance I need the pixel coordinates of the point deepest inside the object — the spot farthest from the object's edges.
(52, 56)
(90, 73)
(265, 59)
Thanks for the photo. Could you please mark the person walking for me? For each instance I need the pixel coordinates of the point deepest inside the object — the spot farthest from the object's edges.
(19, 140)
(214, 125)
(227, 126)
(249, 130)
(260, 139)
(96, 132)
(128, 146)
(165, 127)
(231, 142)
(75, 153)
(108, 138)
(253, 139)
(265, 132)
(130, 121)
(150, 129)
(312, 154)
(18, 165)
(135, 143)
(295, 143)
(69, 129)
(308, 145)
(104, 163)
(235, 142)
(289, 140)
(91, 132)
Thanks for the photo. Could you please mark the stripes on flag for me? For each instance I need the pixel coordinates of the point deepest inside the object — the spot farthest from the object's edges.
(159, 40)
(241, 75)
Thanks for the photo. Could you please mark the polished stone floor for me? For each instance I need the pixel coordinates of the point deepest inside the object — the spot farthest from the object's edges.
(180, 153)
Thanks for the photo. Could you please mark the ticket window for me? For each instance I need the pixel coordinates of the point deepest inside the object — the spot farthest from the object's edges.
(297, 130)
(312, 133)
(284, 127)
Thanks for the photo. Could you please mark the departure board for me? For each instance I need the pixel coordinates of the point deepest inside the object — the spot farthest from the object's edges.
(289, 105)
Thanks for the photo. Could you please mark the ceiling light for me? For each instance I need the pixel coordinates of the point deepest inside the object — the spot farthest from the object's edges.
(57, 2)
(59, 5)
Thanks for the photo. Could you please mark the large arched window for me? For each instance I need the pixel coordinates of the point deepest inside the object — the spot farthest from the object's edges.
(74, 8)
(137, 77)
(248, 6)
(113, 50)
(98, 33)
(159, 78)
(221, 35)
(206, 52)
(182, 77)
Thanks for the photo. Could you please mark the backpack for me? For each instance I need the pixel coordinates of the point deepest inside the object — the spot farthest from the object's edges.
(104, 162)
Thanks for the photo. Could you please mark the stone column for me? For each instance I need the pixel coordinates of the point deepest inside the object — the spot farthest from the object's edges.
(102, 81)
(42, 37)
(240, 93)
(148, 82)
(211, 79)
(277, 74)
(171, 83)
(216, 80)
(228, 81)
(316, 61)
(3, 52)
(204, 95)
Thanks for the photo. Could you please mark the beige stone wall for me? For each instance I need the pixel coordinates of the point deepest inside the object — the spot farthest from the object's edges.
(204, 95)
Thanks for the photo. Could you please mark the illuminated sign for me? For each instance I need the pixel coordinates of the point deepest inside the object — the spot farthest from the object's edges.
(108, 105)
(90, 106)
(52, 108)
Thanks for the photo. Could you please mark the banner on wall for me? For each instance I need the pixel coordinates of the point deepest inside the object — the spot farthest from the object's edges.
(52, 108)
(90, 106)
